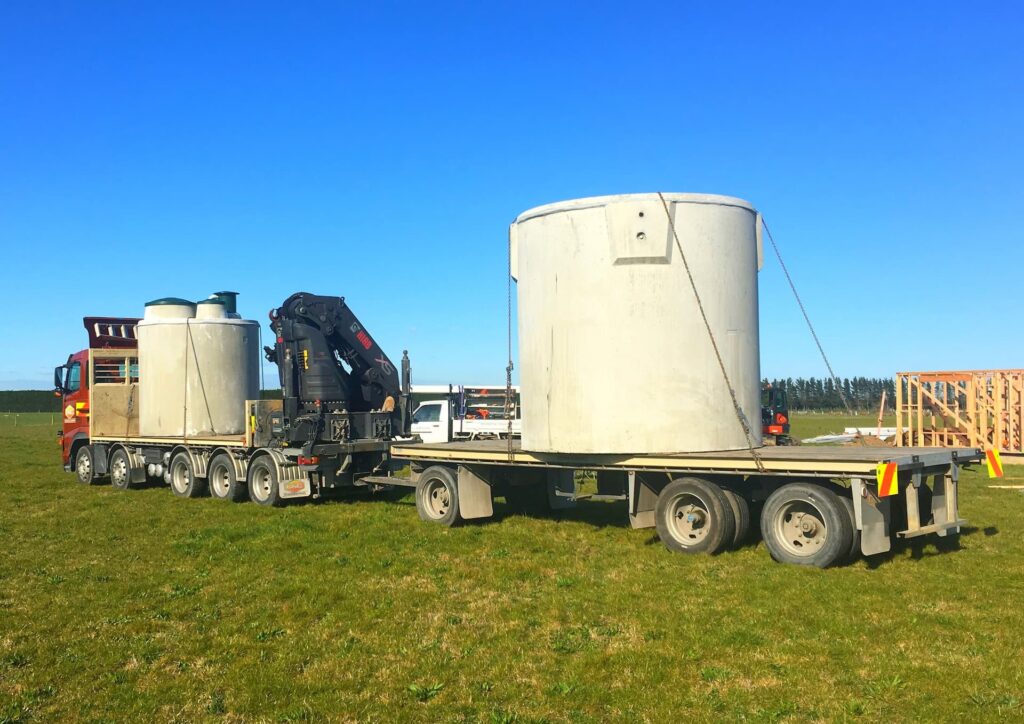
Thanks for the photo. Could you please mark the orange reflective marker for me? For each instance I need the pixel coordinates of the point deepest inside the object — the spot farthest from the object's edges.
(994, 463)
(888, 480)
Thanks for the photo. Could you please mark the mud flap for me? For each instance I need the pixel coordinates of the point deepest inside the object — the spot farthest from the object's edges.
(475, 497)
(294, 488)
(642, 501)
(873, 516)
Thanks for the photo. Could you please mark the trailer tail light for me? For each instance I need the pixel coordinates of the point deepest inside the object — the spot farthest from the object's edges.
(780, 418)
(312, 460)
(774, 430)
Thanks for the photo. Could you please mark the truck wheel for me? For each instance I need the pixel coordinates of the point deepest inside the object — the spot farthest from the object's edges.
(120, 470)
(224, 483)
(741, 515)
(263, 483)
(184, 482)
(806, 524)
(83, 466)
(694, 516)
(437, 496)
(855, 534)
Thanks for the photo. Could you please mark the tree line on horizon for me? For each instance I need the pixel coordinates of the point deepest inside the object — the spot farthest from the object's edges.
(823, 394)
(810, 394)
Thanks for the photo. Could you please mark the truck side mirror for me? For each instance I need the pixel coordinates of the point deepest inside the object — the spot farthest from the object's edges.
(58, 380)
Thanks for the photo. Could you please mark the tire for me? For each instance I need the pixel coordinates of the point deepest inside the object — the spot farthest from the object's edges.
(120, 470)
(263, 483)
(437, 496)
(694, 516)
(84, 466)
(806, 524)
(741, 515)
(184, 482)
(854, 551)
(223, 481)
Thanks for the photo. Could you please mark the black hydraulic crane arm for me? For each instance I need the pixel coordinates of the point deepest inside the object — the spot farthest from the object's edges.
(329, 362)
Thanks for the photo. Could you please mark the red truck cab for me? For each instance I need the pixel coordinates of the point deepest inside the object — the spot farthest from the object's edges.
(71, 383)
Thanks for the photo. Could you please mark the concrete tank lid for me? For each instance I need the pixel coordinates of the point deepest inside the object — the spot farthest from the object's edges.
(175, 301)
(593, 201)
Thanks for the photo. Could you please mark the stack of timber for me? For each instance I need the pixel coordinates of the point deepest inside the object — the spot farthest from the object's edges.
(976, 408)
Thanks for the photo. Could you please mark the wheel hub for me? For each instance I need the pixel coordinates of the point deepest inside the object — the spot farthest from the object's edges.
(689, 520)
(801, 527)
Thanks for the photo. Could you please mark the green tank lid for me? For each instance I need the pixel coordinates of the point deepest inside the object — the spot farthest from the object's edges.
(167, 301)
(228, 299)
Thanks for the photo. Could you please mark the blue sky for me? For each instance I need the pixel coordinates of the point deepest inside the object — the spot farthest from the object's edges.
(379, 150)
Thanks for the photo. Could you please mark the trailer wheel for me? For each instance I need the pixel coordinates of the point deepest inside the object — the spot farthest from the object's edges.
(83, 466)
(437, 496)
(263, 483)
(120, 470)
(741, 515)
(224, 483)
(806, 524)
(184, 482)
(855, 534)
(694, 516)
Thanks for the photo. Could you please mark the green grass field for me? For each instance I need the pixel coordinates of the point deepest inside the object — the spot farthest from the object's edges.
(137, 605)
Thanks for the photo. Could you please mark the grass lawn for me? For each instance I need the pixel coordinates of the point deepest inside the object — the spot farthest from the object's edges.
(137, 605)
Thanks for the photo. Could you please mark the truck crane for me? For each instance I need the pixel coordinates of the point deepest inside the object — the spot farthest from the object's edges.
(343, 402)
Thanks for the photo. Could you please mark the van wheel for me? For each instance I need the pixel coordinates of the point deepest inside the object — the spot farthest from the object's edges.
(694, 516)
(437, 496)
(263, 483)
(184, 482)
(120, 470)
(806, 524)
(224, 483)
(84, 466)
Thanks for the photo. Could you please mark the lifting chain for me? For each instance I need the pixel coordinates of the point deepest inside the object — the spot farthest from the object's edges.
(509, 399)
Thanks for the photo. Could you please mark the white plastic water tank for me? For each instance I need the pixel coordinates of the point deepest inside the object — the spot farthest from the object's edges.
(613, 354)
(197, 367)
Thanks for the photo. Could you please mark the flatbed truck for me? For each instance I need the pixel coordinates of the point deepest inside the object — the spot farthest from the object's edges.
(818, 506)
(344, 422)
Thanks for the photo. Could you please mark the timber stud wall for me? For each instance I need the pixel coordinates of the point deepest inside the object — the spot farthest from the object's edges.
(973, 408)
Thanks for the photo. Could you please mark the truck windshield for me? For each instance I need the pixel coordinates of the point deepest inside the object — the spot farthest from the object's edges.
(74, 380)
(427, 413)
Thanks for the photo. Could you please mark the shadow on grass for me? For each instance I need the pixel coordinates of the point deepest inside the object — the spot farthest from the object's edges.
(928, 546)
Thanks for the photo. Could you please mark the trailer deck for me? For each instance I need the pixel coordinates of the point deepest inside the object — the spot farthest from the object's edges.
(805, 461)
(915, 488)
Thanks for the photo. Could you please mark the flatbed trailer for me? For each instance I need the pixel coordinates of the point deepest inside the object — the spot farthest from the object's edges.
(819, 505)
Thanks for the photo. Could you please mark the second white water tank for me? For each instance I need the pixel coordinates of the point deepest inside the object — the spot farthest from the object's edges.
(613, 354)
(197, 367)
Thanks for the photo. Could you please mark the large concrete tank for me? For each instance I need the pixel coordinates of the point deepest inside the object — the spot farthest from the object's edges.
(613, 354)
(197, 367)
